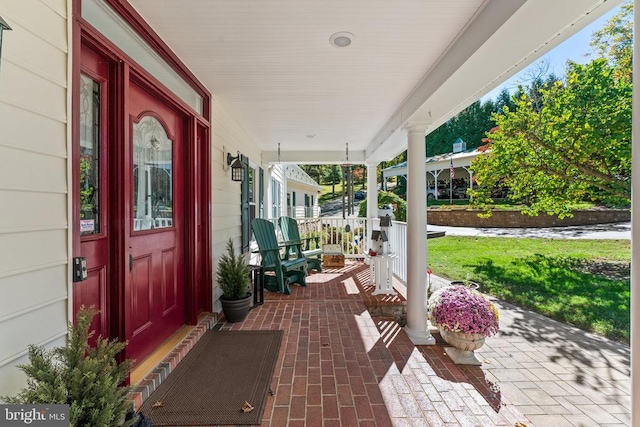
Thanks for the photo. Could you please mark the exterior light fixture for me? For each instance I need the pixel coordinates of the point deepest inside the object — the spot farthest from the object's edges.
(3, 26)
(237, 169)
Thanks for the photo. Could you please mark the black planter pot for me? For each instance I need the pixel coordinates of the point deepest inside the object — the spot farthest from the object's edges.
(235, 310)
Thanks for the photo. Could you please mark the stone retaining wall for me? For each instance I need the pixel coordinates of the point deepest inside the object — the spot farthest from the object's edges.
(514, 219)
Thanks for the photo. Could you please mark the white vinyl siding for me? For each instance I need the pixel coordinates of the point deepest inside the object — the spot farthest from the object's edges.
(277, 192)
(14, 204)
(304, 194)
(225, 193)
(34, 167)
(29, 171)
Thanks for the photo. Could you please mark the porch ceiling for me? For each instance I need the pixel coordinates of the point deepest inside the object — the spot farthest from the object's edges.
(271, 66)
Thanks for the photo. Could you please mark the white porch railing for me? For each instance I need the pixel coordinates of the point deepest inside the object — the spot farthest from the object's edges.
(349, 233)
(398, 242)
(333, 230)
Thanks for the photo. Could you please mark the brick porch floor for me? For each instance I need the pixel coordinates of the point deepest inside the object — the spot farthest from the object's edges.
(339, 366)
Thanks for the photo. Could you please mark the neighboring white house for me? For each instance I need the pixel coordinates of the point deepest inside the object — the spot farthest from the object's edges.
(438, 168)
(292, 193)
(302, 193)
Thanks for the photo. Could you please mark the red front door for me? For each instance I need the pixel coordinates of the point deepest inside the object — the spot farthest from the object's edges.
(154, 293)
(136, 148)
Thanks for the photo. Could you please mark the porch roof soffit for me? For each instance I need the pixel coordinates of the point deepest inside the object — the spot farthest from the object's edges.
(282, 82)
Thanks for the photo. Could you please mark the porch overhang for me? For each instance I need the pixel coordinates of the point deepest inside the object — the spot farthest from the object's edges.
(410, 62)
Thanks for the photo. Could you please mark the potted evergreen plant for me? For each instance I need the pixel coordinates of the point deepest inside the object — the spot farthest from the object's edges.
(233, 278)
(86, 377)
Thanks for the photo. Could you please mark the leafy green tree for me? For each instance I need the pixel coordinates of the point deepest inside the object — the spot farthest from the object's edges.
(470, 125)
(504, 101)
(614, 41)
(574, 144)
(314, 171)
(332, 175)
(568, 141)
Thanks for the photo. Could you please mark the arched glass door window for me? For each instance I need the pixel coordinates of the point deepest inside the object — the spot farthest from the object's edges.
(152, 175)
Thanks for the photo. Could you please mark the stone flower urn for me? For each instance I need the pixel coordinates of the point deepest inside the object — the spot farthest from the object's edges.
(463, 346)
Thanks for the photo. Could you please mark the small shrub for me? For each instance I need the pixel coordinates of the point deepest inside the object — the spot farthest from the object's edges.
(88, 379)
(233, 274)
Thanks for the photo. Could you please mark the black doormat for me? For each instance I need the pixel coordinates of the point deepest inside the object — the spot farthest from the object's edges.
(224, 370)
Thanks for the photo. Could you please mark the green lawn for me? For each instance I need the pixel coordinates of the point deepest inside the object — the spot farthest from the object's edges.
(326, 194)
(573, 281)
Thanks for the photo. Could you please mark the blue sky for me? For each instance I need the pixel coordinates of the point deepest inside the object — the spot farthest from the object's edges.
(575, 48)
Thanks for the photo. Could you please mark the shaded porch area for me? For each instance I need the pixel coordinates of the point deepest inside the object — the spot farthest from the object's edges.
(339, 365)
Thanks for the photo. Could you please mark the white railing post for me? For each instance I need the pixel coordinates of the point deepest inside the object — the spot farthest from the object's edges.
(372, 202)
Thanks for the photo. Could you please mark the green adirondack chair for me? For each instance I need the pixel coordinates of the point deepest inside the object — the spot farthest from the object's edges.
(291, 233)
(278, 272)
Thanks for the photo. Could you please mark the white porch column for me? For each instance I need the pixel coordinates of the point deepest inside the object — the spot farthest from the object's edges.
(417, 236)
(372, 199)
(635, 230)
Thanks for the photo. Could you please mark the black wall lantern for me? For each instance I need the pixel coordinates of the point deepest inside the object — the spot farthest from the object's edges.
(3, 26)
(237, 169)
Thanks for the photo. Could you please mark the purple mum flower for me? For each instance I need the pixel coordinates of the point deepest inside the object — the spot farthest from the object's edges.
(460, 309)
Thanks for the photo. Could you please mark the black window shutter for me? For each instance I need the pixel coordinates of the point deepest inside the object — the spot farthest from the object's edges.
(306, 205)
(293, 204)
(244, 212)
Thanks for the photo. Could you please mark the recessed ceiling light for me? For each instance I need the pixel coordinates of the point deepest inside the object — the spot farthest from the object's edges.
(341, 39)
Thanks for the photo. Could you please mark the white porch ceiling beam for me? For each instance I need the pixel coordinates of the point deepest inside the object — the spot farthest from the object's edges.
(313, 157)
(506, 37)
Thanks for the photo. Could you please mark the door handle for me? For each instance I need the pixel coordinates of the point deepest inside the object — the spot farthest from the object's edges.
(130, 263)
